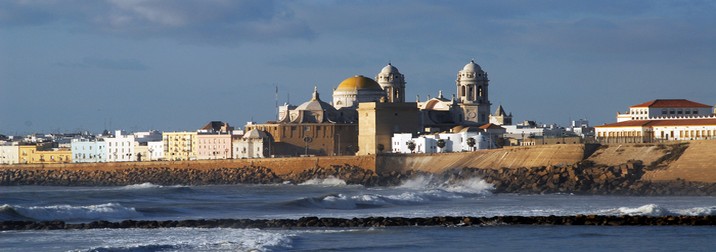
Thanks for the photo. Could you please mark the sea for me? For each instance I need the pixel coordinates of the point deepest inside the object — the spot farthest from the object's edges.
(424, 196)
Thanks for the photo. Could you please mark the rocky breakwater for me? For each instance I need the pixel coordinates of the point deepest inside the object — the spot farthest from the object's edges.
(583, 177)
(316, 222)
(179, 176)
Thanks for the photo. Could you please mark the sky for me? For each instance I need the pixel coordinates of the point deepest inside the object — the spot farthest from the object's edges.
(173, 65)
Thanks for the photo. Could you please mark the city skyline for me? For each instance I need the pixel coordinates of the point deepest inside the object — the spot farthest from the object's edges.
(175, 65)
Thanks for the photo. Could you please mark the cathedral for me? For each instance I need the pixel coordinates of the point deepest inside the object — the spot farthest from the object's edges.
(317, 127)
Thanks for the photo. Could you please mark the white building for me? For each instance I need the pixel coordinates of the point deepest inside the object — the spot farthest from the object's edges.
(665, 108)
(530, 128)
(659, 129)
(254, 144)
(88, 151)
(459, 140)
(156, 150)
(9, 154)
(120, 147)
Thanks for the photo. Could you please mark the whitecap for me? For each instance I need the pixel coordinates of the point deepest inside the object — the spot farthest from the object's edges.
(697, 211)
(647, 210)
(329, 181)
(73, 213)
(189, 239)
(146, 185)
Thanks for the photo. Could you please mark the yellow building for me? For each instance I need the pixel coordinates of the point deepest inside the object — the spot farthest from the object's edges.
(180, 145)
(377, 122)
(30, 155)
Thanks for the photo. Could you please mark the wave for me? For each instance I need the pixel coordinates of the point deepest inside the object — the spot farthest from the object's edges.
(467, 186)
(191, 239)
(420, 190)
(146, 185)
(149, 185)
(329, 181)
(656, 210)
(68, 212)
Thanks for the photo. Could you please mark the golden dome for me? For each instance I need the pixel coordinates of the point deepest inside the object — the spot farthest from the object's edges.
(358, 82)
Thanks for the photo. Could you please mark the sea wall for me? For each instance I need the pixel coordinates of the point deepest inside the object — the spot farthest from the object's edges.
(279, 166)
(508, 157)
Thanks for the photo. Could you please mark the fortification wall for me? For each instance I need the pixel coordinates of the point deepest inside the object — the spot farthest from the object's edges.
(509, 157)
(697, 163)
(279, 166)
(616, 154)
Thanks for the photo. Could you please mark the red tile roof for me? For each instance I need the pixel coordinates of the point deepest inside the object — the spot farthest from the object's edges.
(656, 123)
(671, 103)
(490, 126)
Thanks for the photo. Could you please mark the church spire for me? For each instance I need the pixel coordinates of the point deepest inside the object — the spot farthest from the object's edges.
(315, 94)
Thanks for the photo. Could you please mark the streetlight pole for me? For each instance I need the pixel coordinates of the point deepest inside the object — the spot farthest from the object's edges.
(339, 144)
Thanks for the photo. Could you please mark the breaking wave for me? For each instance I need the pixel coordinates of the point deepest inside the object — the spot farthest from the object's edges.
(420, 190)
(142, 186)
(191, 239)
(656, 210)
(468, 186)
(68, 212)
(329, 181)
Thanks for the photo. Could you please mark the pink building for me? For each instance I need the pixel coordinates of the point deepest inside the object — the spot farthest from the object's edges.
(213, 146)
(214, 141)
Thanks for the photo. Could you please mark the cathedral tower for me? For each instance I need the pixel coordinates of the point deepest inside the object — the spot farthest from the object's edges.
(393, 82)
(472, 89)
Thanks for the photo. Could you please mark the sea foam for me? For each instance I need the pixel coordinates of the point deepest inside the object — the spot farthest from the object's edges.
(189, 239)
(329, 181)
(75, 213)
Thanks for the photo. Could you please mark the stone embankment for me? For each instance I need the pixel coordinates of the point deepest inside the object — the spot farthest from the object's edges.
(316, 222)
(180, 176)
(584, 178)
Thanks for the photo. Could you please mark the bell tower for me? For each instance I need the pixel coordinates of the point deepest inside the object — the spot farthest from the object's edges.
(393, 83)
(472, 89)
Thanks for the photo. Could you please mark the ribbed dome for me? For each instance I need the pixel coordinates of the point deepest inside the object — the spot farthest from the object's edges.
(254, 134)
(472, 67)
(358, 82)
(389, 69)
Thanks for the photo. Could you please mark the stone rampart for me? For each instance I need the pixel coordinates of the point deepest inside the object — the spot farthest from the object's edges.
(279, 166)
(509, 157)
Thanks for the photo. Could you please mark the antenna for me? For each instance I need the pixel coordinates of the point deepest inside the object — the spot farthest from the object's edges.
(276, 100)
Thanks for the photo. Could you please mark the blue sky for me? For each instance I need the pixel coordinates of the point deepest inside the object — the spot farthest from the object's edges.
(176, 64)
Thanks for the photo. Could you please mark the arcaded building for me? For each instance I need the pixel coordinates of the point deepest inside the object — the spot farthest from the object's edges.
(312, 128)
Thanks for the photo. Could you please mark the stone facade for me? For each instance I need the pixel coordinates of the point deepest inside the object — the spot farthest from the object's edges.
(377, 122)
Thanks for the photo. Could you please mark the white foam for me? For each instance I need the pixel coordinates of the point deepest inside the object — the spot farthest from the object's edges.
(189, 239)
(428, 182)
(697, 211)
(71, 213)
(648, 210)
(472, 185)
(146, 185)
(419, 182)
(329, 181)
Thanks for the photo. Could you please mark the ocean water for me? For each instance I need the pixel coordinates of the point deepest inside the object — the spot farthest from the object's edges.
(421, 197)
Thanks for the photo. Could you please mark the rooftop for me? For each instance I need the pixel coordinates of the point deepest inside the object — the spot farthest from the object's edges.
(671, 103)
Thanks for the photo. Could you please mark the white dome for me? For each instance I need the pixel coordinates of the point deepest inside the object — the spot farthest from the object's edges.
(472, 67)
(389, 69)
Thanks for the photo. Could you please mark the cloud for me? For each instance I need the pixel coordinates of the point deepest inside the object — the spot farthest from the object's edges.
(102, 63)
(225, 22)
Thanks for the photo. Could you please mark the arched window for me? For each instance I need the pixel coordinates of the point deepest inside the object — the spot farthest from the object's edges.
(479, 91)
